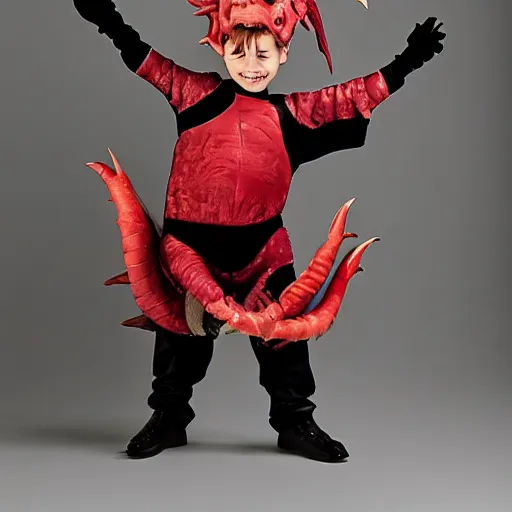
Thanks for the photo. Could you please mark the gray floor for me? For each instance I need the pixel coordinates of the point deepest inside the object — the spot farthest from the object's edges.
(420, 447)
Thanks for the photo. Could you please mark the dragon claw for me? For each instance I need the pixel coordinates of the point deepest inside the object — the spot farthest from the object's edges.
(293, 317)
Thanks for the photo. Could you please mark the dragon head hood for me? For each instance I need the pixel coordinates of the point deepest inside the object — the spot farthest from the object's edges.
(280, 17)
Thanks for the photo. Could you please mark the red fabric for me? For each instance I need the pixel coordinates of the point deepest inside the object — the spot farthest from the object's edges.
(181, 86)
(233, 170)
(359, 96)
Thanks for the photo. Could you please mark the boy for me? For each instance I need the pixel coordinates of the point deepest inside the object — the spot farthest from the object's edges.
(236, 153)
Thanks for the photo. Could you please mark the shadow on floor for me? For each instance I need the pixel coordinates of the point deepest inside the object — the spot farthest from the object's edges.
(112, 440)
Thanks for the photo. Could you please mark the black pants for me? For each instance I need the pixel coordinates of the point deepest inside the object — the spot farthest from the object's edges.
(181, 361)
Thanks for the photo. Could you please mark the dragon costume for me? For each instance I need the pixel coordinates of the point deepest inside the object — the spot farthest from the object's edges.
(222, 254)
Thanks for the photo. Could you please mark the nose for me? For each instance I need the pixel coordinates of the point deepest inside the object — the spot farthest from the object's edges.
(251, 58)
(251, 55)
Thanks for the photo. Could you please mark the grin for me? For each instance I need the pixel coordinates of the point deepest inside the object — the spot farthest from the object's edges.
(254, 79)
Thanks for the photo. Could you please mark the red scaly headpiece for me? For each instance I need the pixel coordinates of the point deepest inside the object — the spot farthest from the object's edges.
(280, 17)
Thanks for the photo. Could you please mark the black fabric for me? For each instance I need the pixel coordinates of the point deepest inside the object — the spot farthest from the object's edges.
(229, 248)
(213, 105)
(287, 377)
(109, 21)
(238, 89)
(181, 361)
(394, 76)
(127, 40)
(206, 109)
(305, 144)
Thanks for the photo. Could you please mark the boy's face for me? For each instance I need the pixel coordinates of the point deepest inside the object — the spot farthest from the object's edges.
(254, 67)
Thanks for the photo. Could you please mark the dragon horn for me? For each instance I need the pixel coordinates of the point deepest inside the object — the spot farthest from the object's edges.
(313, 13)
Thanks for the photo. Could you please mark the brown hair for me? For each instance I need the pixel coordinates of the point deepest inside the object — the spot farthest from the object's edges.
(242, 36)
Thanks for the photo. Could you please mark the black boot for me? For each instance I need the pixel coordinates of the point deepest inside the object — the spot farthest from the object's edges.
(308, 440)
(158, 434)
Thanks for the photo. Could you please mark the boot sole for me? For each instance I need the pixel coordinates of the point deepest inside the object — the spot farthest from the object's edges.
(293, 449)
(155, 450)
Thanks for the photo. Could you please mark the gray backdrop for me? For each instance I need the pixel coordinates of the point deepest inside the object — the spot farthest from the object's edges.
(415, 375)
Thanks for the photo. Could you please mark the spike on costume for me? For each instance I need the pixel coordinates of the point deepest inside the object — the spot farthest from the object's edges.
(222, 239)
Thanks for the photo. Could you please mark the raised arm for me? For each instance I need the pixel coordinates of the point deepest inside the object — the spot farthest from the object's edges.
(182, 87)
(336, 117)
(104, 15)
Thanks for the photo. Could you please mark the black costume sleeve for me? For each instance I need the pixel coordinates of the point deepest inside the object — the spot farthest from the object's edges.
(109, 21)
(127, 40)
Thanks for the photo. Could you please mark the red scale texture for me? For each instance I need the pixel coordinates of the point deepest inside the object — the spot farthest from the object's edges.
(220, 175)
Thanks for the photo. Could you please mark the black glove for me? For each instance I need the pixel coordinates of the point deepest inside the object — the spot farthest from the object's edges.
(98, 12)
(423, 43)
(109, 21)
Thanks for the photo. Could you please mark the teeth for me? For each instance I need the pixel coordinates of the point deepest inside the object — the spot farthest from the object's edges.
(253, 78)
